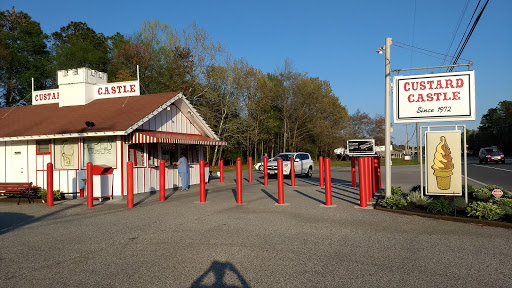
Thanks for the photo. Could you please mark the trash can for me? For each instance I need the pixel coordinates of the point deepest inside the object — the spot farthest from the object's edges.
(102, 179)
(206, 172)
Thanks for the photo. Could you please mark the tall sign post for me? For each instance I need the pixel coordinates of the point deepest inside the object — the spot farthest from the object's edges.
(387, 138)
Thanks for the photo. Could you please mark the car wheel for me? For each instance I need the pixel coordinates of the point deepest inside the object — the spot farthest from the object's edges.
(480, 161)
(260, 168)
(309, 173)
(485, 161)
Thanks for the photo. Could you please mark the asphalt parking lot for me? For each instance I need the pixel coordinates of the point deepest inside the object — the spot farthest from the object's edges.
(182, 243)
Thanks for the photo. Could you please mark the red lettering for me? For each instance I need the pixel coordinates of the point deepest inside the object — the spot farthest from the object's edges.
(119, 89)
(459, 83)
(99, 91)
(113, 89)
(106, 91)
(456, 95)
(44, 97)
(124, 89)
(58, 95)
(410, 98)
(420, 98)
(437, 96)
(446, 98)
(449, 83)
(422, 85)
(53, 96)
(439, 85)
(132, 88)
(405, 87)
(414, 88)
(35, 97)
(430, 84)
(430, 98)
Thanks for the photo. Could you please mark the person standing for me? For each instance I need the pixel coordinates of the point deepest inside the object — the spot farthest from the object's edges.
(183, 171)
(263, 158)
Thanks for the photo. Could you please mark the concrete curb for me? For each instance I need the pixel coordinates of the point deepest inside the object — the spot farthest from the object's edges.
(449, 218)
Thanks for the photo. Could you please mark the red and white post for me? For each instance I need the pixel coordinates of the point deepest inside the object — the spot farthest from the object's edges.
(129, 184)
(292, 172)
(49, 185)
(328, 191)
(265, 171)
(249, 163)
(239, 181)
(321, 170)
(162, 180)
(280, 186)
(362, 191)
(89, 186)
(202, 183)
(221, 168)
(353, 165)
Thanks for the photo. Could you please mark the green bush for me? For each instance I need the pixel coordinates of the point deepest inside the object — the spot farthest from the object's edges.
(416, 199)
(460, 203)
(482, 194)
(415, 189)
(505, 204)
(56, 194)
(440, 206)
(488, 211)
(396, 191)
(393, 202)
(471, 189)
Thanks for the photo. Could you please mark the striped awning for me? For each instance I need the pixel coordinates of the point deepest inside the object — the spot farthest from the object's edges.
(144, 136)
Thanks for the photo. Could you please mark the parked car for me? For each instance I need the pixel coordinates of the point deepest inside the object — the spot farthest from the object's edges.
(259, 166)
(490, 154)
(303, 164)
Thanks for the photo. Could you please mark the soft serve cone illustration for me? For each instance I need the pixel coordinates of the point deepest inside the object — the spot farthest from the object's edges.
(443, 165)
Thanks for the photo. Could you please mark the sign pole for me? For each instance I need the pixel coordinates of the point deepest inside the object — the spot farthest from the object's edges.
(388, 115)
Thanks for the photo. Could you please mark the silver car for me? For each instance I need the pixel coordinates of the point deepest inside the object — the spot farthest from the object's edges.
(303, 164)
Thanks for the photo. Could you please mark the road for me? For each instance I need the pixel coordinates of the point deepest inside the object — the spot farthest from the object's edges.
(490, 174)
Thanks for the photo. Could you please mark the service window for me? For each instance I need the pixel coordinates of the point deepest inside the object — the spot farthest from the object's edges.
(169, 153)
(136, 155)
(43, 146)
(153, 154)
(194, 154)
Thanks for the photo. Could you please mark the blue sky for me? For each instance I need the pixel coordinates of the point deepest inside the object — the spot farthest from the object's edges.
(332, 40)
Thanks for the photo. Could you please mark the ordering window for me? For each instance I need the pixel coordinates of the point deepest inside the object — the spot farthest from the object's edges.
(169, 154)
(153, 155)
(43, 146)
(136, 155)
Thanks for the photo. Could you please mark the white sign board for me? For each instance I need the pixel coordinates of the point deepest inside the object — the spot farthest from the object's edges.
(117, 89)
(434, 97)
(361, 147)
(45, 96)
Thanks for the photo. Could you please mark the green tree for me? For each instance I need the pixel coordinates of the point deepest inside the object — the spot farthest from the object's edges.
(23, 55)
(77, 45)
(496, 127)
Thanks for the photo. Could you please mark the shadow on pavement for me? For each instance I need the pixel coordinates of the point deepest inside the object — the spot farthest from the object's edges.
(310, 197)
(151, 193)
(220, 273)
(269, 195)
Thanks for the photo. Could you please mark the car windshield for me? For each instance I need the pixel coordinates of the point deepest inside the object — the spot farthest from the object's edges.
(492, 150)
(285, 157)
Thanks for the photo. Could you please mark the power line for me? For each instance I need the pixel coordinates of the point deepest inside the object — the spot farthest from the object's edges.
(469, 34)
(456, 30)
(414, 48)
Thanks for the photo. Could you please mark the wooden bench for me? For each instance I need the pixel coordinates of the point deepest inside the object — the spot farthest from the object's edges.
(21, 189)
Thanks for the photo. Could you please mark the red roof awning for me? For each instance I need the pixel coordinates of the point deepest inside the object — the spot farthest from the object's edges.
(144, 136)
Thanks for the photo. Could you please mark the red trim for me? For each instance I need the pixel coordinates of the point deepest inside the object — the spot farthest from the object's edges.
(28, 170)
(122, 167)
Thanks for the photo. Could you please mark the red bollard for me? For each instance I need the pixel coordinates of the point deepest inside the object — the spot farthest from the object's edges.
(292, 172)
(162, 180)
(368, 178)
(250, 169)
(362, 192)
(129, 184)
(321, 170)
(89, 185)
(280, 187)
(328, 191)
(221, 167)
(82, 193)
(49, 185)
(378, 174)
(202, 183)
(265, 171)
(353, 165)
(374, 174)
(238, 181)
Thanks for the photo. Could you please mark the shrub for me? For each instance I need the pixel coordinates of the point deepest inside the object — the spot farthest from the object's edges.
(440, 206)
(505, 204)
(460, 203)
(488, 211)
(471, 189)
(56, 194)
(415, 189)
(416, 199)
(393, 202)
(482, 194)
(396, 191)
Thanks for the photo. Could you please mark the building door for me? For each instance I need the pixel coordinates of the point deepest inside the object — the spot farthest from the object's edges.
(18, 163)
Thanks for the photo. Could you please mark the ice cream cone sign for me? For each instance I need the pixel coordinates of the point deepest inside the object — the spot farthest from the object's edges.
(443, 165)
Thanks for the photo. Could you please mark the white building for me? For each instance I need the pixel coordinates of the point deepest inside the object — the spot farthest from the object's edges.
(89, 120)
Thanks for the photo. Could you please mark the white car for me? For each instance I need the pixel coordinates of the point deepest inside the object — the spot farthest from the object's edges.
(259, 166)
(303, 164)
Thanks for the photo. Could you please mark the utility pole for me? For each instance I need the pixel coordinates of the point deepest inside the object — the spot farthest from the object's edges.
(387, 139)
(406, 139)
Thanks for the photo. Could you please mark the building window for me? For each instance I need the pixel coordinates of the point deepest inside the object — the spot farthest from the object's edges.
(43, 146)
(136, 155)
(99, 151)
(153, 154)
(66, 153)
(169, 153)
